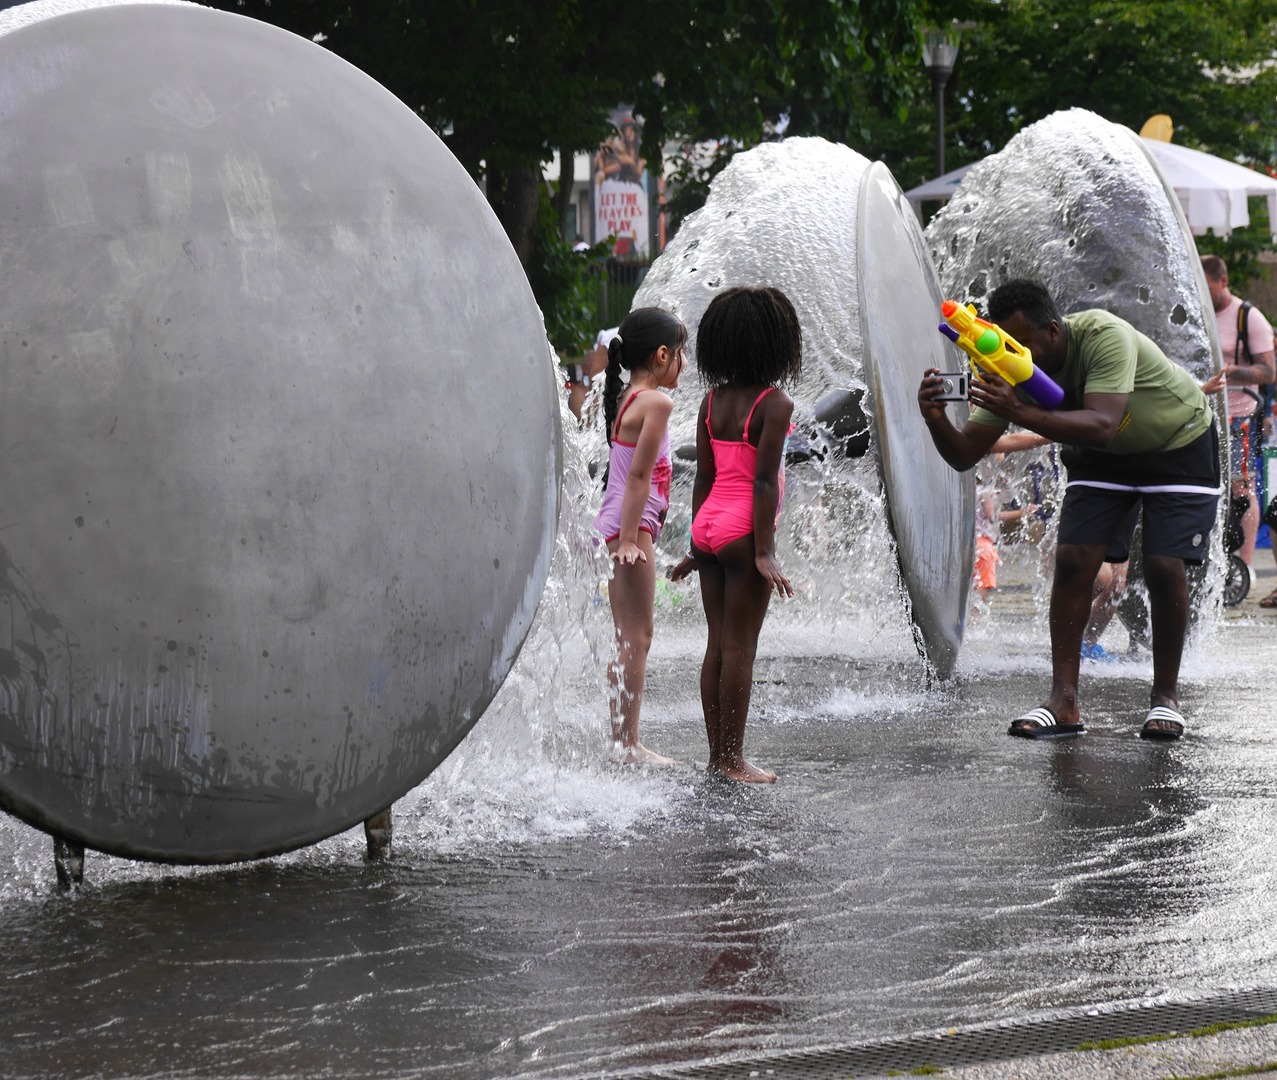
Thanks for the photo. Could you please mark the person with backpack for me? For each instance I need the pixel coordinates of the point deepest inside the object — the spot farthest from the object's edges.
(1246, 342)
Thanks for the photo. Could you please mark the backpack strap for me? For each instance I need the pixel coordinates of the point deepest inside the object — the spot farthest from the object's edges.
(1242, 348)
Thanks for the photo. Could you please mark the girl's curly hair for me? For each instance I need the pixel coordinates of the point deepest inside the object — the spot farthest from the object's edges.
(749, 337)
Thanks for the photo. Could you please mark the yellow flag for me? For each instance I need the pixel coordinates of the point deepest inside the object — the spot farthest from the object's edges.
(1158, 127)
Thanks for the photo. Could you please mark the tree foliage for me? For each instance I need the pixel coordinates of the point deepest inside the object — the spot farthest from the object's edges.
(1208, 64)
(505, 83)
(561, 281)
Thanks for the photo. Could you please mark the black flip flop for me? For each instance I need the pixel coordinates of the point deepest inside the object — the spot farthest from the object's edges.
(1045, 726)
(1166, 715)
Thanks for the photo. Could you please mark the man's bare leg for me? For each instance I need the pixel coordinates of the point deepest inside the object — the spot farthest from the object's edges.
(1075, 568)
(1168, 610)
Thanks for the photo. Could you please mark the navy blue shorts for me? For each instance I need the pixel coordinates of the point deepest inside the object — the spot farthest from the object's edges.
(1178, 491)
(1175, 524)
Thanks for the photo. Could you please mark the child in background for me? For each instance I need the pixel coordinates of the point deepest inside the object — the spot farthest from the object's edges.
(650, 345)
(987, 558)
(749, 341)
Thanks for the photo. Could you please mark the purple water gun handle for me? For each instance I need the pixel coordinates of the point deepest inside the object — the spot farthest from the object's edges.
(1043, 389)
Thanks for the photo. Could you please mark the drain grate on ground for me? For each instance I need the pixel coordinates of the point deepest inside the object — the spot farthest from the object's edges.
(1003, 1041)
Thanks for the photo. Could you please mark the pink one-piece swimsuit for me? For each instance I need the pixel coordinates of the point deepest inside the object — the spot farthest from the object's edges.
(619, 457)
(727, 513)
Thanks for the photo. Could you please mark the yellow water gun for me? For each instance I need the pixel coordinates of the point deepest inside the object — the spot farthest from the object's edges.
(993, 349)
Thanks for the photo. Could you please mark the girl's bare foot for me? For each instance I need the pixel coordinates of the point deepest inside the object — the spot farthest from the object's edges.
(743, 771)
(638, 754)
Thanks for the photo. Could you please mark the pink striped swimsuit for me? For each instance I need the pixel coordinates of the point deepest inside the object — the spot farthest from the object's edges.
(727, 513)
(619, 457)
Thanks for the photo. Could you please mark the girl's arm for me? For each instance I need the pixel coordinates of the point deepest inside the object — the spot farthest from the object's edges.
(638, 484)
(1010, 517)
(777, 408)
(1020, 440)
(700, 486)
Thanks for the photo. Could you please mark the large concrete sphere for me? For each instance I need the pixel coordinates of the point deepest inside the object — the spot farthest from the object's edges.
(931, 507)
(1077, 203)
(1080, 204)
(832, 230)
(279, 482)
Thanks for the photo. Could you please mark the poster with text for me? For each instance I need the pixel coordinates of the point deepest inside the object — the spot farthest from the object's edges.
(620, 195)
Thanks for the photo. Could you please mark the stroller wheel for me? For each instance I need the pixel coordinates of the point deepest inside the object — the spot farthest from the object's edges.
(1236, 582)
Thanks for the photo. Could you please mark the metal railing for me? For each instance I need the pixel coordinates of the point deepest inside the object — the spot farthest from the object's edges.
(612, 288)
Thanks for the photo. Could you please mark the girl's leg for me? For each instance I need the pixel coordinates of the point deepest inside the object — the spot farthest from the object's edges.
(711, 575)
(746, 594)
(632, 593)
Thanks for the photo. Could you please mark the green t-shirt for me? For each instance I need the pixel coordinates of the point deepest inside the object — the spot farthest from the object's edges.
(1165, 408)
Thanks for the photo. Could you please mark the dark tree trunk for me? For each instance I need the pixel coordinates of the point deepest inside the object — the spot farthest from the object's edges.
(514, 195)
(563, 197)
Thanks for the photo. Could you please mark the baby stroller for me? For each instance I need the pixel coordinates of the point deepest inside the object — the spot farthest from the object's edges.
(1236, 573)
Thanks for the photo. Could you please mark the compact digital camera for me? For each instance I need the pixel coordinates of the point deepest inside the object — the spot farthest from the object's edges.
(955, 387)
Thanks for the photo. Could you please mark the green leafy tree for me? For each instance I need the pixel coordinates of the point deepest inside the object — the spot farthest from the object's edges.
(1207, 64)
(562, 281)
(505, 83)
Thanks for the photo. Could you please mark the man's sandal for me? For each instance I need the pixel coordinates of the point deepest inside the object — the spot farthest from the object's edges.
(1269, 601)
(1170, 723)
(1041, 723)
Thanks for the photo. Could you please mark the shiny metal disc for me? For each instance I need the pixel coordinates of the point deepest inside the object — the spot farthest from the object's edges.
(931, 508)
(280, 479)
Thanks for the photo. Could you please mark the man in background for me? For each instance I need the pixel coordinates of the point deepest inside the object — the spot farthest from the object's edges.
(1246, 342)
(580, 377)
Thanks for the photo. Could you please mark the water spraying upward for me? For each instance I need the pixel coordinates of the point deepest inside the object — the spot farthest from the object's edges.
(830, 229)
(1078, 204)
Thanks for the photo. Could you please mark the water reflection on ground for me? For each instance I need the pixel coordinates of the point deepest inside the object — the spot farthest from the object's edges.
(913, 868)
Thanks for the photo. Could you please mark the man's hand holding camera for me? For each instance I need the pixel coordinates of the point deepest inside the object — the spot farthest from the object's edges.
(994, 393)
(932, 386)
(989, 391)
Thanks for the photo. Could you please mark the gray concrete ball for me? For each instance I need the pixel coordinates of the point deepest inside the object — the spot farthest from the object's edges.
(279, 482)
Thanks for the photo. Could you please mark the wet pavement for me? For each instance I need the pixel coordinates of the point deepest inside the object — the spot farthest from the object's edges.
(549, 915)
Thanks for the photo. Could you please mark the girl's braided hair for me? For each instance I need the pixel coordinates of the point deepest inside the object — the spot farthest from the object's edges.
(641, 333)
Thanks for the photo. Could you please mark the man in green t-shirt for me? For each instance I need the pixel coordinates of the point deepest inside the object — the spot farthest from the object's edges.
(1136, 429)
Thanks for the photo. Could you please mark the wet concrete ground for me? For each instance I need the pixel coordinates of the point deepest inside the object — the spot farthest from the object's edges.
(913, 868)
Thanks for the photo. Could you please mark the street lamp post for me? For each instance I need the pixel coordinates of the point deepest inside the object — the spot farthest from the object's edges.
(939, 53)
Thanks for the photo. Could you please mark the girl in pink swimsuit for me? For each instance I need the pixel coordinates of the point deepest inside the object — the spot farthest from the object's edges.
(650, 345)
(749, 342)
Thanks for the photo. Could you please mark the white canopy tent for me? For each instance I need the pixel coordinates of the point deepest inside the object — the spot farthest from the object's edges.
(941, 189)
(1212, 191)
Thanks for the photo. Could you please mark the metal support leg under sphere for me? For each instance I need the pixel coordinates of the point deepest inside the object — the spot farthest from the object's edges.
(68, 860)
(378, 833)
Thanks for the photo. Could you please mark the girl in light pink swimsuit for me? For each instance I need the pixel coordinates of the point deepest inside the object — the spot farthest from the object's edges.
(749, 342)
(650, 345)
